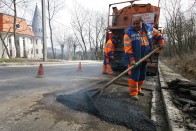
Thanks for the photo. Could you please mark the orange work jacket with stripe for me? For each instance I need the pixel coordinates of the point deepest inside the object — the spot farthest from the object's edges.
(109, 48)
(139, 44)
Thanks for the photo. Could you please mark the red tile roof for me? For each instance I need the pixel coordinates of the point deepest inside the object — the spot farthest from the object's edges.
(6, 25)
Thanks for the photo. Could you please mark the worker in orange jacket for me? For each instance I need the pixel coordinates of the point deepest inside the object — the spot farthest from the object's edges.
(108, 55)
(138, 42)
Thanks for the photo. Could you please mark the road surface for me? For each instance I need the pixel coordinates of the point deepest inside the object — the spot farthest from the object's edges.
(55, 102)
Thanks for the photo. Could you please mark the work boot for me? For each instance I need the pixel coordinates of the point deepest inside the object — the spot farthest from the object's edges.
(141, 93)
(135, 98)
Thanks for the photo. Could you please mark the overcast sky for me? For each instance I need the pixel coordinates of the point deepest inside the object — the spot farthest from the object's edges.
(64, 17)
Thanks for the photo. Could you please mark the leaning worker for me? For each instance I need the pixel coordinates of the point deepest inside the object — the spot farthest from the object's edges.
(138, 42)
(108, 55)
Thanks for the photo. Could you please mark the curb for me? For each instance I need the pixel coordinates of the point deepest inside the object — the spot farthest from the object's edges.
(173, 115)
(48, 63)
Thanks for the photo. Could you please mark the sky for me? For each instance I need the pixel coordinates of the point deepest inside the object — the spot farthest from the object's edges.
(64, 17)
(97, 5)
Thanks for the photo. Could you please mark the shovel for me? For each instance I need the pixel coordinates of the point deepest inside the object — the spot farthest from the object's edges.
(96, 95)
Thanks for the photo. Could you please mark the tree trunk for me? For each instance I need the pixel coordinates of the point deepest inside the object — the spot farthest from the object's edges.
(3, 42)
(14, 30)
(62, 52)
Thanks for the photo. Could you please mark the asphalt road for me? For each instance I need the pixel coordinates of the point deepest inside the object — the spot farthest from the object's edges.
(57, 101)
(20, 90)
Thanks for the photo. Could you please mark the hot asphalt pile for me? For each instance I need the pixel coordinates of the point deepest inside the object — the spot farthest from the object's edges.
(114, 107)
(184, 97)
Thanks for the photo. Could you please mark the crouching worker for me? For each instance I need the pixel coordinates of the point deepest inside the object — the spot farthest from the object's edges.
(138, 39)
(108, 55)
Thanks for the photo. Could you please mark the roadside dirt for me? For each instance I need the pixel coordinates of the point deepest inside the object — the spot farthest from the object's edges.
(185, 67)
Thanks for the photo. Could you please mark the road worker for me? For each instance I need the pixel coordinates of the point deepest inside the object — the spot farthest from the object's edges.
(108, 55)
(138, 42)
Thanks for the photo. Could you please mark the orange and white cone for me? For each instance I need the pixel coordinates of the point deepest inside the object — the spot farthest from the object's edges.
(40, 73)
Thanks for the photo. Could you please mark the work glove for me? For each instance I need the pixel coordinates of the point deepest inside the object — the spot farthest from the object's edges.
(112, 57)
(161, 46)
(133, 63)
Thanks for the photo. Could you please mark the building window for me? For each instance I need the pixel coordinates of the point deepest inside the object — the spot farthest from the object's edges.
(17, 26)
(10, 41)
(31, 51)
(17, 41)
(37, 51)
(23, 42)
(36, 41)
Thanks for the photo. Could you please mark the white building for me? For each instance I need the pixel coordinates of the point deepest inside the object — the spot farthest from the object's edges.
(28, 39)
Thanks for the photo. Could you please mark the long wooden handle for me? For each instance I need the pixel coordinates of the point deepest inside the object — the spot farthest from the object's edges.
(124, 72)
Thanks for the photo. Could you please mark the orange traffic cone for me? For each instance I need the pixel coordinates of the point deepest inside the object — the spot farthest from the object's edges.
(40, 73)
(79, 67)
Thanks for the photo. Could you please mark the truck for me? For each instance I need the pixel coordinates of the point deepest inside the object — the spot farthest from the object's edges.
(120, 19)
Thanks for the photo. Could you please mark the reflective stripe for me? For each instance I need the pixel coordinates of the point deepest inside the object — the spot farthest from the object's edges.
(128, 44)
(135, 38)
(132, 86)
(109, 46)
(150, 36)
(127, 39)
(131, 90)
(149, 33)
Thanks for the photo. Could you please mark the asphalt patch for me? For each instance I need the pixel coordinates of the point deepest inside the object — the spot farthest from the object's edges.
(115, 108)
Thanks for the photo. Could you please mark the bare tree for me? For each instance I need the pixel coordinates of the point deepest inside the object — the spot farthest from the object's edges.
(79, 25)
(180, 28)
(53, 7)
(61, 37)
(100, 34)
(89, 29)
(5, 45)
(96, 33)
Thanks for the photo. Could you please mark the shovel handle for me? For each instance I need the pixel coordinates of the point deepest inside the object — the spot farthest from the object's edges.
(124, 72)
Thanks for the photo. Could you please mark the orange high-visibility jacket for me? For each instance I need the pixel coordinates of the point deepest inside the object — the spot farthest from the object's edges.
(109, 48)
(138, 45)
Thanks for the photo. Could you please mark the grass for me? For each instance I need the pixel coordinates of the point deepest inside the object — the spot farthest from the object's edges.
(14, 60)
(185, 67)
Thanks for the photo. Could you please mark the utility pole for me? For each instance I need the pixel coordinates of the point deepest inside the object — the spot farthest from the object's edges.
(44, 31)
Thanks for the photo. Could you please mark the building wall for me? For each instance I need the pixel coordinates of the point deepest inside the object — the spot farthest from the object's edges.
(38, 53)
